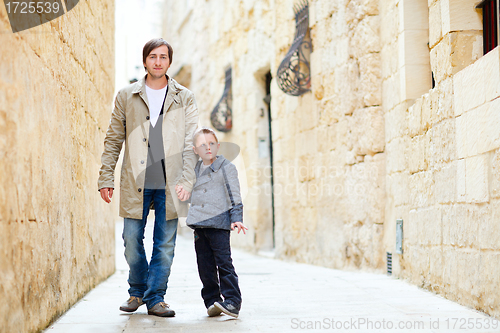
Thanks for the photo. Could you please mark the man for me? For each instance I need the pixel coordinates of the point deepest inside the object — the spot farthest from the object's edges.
(156, 117)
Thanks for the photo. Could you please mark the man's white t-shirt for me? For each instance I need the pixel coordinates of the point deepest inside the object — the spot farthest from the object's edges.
(155, 100)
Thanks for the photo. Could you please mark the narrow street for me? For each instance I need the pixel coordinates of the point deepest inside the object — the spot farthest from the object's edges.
(277, 297)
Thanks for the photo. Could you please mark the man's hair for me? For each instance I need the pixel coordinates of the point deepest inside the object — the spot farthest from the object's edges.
(153, 44)
(204, 130)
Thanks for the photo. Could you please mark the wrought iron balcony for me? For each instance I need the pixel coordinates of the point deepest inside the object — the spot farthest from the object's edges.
(294, 72)
(221, 116)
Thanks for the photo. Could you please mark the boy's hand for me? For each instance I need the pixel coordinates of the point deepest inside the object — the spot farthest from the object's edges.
(239, 226)
(182, 194)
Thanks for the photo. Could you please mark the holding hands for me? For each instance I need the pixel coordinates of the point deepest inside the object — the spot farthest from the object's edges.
(182, 194)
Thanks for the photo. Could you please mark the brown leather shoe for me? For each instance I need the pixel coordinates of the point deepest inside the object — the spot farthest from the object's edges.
(132, 304)
(161, 309)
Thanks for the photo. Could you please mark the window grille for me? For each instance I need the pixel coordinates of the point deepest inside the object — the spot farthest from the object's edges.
(293, 75)
(221, 116)
(490, 24)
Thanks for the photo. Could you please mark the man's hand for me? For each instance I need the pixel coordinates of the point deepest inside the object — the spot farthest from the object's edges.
(106, 194)
(182, 194)
(239, 226)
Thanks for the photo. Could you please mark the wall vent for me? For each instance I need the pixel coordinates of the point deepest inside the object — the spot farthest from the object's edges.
(389, 263)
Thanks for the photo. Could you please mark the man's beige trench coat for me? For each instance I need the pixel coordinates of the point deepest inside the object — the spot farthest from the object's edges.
(130, 123)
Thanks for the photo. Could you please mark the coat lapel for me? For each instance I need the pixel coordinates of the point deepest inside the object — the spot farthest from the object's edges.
(218, 163)
(200, 179)
(168, 101)
(172, 97)
(140, 88)
(205, 178)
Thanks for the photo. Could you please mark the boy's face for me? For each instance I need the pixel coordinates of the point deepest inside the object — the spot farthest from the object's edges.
(206, 147)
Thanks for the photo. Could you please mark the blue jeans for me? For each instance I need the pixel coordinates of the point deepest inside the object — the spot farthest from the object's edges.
(150, 281)
(215, 267)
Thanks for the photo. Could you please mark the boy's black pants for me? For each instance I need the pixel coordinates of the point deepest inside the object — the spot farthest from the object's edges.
(213, 254)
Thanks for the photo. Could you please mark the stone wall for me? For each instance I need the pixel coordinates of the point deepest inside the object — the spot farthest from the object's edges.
(401, 123)
(56, 234)
(442, 152)
(208, 37)
(328, 144)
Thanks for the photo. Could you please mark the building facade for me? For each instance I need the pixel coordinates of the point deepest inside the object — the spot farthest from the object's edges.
(400, 123)
(56, 233)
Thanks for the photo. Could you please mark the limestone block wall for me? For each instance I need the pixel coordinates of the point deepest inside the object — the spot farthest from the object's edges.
(207, 38)
(56, 234)
(442, 147)
(330, 142)
(328, 161)
(401, 123)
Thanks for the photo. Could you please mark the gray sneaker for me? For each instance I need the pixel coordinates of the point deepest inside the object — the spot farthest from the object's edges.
(161, 309)
(228, 309)
(213, 311)
(132, 304)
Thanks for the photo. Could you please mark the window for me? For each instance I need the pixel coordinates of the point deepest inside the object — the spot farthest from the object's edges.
(490, 24)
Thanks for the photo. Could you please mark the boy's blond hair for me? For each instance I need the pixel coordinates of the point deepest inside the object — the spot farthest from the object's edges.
(204, 130)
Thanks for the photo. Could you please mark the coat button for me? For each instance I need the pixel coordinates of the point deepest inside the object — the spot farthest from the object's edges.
(140, 190)
(204, 190)
(147, 117)
(144, 139)
(142, 162)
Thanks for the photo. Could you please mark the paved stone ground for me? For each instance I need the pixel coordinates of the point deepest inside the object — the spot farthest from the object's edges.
(277, 297)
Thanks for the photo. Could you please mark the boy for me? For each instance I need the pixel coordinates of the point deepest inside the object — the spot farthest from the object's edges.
(216, 209)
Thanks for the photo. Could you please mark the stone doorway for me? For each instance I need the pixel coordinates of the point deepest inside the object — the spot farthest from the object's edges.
(265, 146)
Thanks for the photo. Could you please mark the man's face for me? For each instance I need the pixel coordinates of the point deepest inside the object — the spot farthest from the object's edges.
(157, 62)
(206, 147)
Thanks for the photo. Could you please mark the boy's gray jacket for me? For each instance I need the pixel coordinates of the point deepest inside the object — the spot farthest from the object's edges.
(130, 124)
(211, 205)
